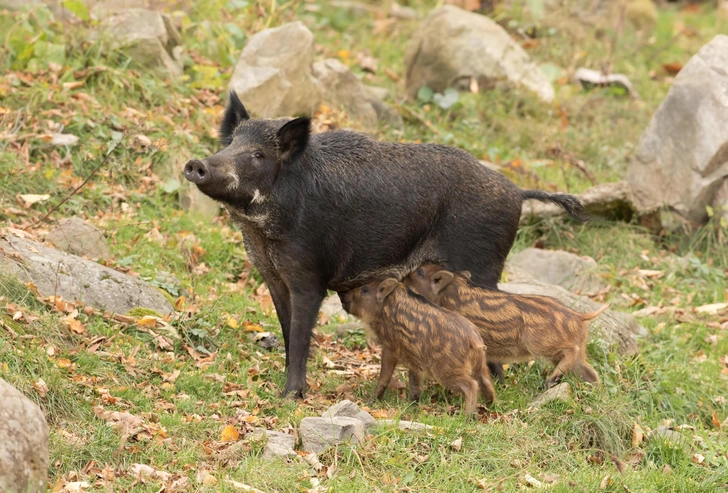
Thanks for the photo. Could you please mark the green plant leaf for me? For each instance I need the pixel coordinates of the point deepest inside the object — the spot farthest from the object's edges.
(447, 99)
(172, 185)
(425, 94)
(78, 8)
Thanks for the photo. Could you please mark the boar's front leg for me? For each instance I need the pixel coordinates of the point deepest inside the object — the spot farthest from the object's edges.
(306, 299)
(282, 301)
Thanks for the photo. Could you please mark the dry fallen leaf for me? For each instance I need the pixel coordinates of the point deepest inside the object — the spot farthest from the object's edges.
(698, 458)
(204, 477)
(75, 486)
(40, 387)
(716, 421)
(244, 487)
(147, 321)
(232, 322)
(26, 200)
(672, 68)
(457, 444)
(230, 434)
(638, 435)
(64, 363)
(148, 472)
(75, 325)
(712, 309)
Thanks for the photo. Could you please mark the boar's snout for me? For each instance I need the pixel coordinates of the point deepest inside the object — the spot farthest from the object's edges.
(196, 171)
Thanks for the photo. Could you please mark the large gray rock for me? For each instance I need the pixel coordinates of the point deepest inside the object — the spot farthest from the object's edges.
(682, 158)
(148, 37)
(364, 105)
(79, 237)
(273, 76)
(721, 200)
(23, 443)
(452, 46)
(615, 329)
(61, 274)
(343, 89)
(573, 272)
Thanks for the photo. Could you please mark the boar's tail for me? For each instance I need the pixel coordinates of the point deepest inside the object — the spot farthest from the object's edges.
(590, 316)
(570, 203)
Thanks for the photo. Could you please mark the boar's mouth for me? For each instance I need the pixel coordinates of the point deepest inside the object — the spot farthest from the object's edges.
(212, 182)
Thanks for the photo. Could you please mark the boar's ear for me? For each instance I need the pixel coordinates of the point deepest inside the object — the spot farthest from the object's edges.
(293, 138)
(385, 288)
(441, 279)
(235, 113)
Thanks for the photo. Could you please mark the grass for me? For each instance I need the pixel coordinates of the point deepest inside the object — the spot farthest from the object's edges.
(213, 375)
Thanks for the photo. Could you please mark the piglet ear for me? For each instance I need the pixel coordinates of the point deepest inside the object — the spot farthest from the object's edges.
(466, 274)
(385, 288)
(441, 279)
(293, 138)
(235, 114)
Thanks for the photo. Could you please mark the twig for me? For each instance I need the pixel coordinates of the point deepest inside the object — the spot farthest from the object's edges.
(75, 191)
(421, 120)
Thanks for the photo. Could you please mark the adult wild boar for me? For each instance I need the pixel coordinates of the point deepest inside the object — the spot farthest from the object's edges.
(336, 210)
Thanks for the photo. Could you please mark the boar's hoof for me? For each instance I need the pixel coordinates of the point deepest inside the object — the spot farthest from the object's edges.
(196, 171)
(294, 391)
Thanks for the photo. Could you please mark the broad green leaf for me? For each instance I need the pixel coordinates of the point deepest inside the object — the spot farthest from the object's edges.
(172, 185)
(425, 94)
(78, 8)
(447, 99)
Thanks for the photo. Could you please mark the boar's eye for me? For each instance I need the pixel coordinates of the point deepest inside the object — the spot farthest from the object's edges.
(365, 290)
(258, 155)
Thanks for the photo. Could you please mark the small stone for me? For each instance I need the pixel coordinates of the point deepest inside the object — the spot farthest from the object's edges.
(560, 392)
(266, 340)
(318, 434)
(79, 237)
(278, 444)
(665, 434)
(407, 425)
(348, 409)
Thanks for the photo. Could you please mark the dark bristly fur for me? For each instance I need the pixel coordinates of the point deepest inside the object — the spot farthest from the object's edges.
(338, 209)
(514, 327)
(570, 203)
(427, 339)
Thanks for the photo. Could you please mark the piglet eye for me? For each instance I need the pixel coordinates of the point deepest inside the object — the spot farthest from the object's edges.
(365, 290)
(258, 155)
(420, 273)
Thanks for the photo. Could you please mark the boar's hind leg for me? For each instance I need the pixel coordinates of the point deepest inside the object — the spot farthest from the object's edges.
(569, 357)
(388, 364)
(586, 372)
(305, 303)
